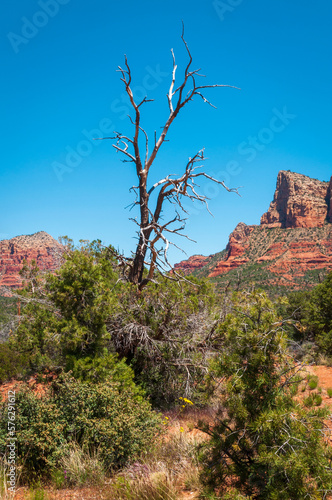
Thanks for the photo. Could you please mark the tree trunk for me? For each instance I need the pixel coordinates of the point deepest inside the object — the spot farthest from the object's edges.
(136, 274)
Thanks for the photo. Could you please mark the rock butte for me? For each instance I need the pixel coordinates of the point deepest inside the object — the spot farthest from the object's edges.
(41, 247)
(294, 236)
(299, 201)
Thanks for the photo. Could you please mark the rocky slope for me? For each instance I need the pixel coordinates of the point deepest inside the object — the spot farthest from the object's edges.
(41, 247)
(291, 247)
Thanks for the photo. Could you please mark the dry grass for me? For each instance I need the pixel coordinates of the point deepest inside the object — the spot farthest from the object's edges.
(170, 467)
(81, 467)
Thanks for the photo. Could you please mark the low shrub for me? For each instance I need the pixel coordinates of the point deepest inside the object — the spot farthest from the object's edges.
(314, 399)
(313, 382)
(119, 418)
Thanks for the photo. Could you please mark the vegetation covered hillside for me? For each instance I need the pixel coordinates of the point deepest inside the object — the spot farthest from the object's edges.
(274, 259)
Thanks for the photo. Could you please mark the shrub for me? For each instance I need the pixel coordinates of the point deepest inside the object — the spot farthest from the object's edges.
(71, 324)
(329, 392)
(118, 417)
(312, 382)
(39, 432)
(263, 441)
(314, 399)
(101, 368)
(162, 332)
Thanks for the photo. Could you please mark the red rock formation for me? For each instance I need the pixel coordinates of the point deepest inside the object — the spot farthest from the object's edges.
(294, 238)
(194, 262)
(41, 247)
(236, 247)
(299, 201)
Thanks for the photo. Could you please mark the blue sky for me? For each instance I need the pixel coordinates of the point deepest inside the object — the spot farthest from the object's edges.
(60, 88)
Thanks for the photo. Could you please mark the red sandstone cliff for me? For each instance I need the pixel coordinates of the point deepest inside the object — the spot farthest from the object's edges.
(294, 238)
(299, 201)
(41, 247)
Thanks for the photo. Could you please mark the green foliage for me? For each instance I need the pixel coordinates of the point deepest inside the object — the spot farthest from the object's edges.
(83, 290)
(40, 433)
(37, 337)
(86, 313)
(58, 478)
(311, 311)
(12, 363)
(101, 368)
(115, 416)
(70, 323)
(329, 392)
(269, 445)
(320, 318)
(297, 309)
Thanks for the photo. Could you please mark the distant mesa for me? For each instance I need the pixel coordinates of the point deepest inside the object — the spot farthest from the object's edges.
(291, 246)
(41, 247)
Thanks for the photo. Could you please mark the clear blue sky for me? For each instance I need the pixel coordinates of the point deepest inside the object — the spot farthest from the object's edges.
(59, 83)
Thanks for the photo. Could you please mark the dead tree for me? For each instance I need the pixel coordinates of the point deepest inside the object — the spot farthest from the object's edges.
(153, 233)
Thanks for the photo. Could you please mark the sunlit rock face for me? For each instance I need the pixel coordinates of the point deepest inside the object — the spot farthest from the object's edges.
(299, 201)
(41, 247)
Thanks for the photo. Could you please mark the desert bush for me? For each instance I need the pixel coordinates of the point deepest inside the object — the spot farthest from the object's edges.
(66, 318)
(312, 381)
(118, 417)
(162, 332)
(263, 440)
(314, 399)
(312, 311)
